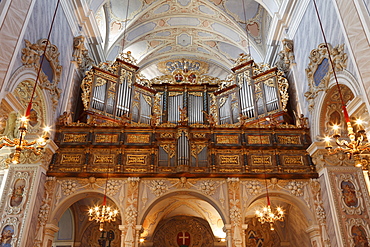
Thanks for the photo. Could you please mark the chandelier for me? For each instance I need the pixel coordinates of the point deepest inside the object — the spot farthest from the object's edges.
(21, 143)
(102, 214)
(354, 147)
(266, 214)
(354, 144)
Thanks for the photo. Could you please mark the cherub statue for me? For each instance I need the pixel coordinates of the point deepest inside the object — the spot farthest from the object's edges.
(303, 122)
(65, 118)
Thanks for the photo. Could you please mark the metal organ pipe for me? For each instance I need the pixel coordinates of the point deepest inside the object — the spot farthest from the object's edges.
(99, 97)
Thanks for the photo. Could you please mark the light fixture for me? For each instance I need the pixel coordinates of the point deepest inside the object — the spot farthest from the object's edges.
(102, 213)
(266, 214)
(355, 145)
(21, 143)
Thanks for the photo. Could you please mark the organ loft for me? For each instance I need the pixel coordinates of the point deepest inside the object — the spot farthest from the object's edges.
(184, 123)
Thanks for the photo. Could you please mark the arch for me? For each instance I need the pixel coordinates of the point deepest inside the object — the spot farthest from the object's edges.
(298, 219)
(269, 5)
(210, 200)
(25, 73)
(175, 202)
(66, 203)
(344, 78)
(281, 196)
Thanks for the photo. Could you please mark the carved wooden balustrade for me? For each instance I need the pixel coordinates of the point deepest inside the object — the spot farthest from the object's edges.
(133, 150)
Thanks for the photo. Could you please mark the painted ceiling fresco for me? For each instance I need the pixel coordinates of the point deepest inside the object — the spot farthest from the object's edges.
(214, 31)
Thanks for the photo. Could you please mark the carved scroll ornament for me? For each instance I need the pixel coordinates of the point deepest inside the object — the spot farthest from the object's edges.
(319, 69)
(31, 59)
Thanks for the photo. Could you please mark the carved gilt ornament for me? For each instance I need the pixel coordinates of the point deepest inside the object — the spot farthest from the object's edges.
(31, 56)
(319, 69)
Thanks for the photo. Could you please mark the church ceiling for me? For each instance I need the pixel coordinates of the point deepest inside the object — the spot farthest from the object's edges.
(213, 31)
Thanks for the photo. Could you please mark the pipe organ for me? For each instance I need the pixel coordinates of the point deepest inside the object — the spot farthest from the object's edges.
(184, 122)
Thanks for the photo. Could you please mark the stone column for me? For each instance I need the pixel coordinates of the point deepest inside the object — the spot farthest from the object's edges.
(227, 229)
(245, 228)
(122, 229)
(315, 235)
(138, 230)
(50, 230)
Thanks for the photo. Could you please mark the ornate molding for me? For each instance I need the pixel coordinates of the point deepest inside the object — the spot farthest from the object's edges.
(319, 69)
(351, 197)
(358, 232)
(31, 59)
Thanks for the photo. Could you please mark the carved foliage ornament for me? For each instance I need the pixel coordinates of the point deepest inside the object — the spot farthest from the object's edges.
(319, 69)
(31, 56)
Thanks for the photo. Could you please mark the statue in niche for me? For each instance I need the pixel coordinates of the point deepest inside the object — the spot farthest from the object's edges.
(17, 196)
(359, 236)
(6, 236)
(286, 56)
(349, 194)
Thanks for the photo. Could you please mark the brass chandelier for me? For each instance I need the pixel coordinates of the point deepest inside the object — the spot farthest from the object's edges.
(102, 214)
(266, 214)
(21, 143)
(354, 144)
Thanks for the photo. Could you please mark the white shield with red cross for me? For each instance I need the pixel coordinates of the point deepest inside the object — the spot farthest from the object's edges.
(183, 239)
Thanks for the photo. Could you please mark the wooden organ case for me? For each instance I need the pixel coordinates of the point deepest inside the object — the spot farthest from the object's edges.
(184, 123)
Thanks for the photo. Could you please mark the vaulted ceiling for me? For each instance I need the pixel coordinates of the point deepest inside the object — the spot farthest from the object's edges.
(214, 31)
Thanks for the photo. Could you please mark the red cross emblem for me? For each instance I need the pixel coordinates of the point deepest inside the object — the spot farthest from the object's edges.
(178, 77)
(183, 239)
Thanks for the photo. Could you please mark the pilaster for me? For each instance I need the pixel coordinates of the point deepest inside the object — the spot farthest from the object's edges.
(345, 198)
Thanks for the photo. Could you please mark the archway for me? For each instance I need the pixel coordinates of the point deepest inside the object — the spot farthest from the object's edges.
(183, 215)
(292, 231)
(85, 232)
